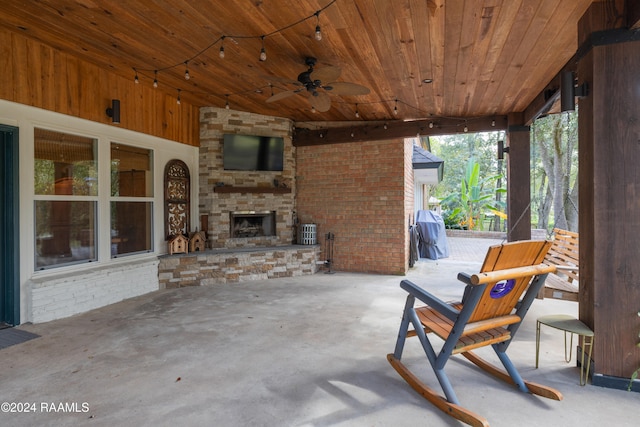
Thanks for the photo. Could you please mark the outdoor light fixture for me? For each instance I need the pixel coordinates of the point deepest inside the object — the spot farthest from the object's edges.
(569, 91)
(114, 111)
(501, 150)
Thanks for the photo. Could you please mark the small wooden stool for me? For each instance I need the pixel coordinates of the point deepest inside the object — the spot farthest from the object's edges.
(568, 324)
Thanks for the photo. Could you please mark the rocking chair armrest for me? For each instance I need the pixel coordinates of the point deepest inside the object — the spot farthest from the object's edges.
(465, 278)
(512, 273)
(429, 299)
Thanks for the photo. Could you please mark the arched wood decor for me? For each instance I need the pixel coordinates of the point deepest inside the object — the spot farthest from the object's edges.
(177, 200)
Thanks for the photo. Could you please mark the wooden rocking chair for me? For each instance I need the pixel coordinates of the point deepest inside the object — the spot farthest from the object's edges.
(494, 303)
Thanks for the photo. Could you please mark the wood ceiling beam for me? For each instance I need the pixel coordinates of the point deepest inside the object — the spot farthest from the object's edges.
(633, 14)
(544, 101)
(380, 131)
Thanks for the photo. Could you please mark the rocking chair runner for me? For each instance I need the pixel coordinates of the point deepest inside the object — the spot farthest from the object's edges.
(490, 313)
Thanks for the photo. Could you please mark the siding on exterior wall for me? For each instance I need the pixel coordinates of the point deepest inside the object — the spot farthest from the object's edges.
(38, 75)
(358, 192)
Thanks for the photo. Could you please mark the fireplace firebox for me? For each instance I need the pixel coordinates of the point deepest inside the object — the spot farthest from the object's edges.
(252, 223)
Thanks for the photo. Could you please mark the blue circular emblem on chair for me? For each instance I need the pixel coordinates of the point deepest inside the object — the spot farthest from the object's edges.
(502, 288)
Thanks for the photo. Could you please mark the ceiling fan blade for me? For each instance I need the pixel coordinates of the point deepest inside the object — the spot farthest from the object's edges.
(345, 88)
(281, 95)
(321, 102)
(326, 74)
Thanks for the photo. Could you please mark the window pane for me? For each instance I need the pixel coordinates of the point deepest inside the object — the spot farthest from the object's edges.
(65, 232)
(130, 227)
(131, 172)
(65, 164)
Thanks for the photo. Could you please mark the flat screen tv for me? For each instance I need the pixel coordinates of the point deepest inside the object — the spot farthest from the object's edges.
(253, 153)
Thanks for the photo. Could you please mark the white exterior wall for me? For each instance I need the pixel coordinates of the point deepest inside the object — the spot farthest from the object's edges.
(59, 292)
(57, 297)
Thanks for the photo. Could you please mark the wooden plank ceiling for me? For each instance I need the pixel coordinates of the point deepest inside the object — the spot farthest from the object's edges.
(484, 57)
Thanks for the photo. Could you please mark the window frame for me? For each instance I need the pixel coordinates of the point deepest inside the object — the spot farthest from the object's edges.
(48, 197)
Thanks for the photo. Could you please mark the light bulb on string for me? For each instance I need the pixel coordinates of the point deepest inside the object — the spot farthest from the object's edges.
(395, 109)
(226, 105)
(187, 76)
(263, 52)
(430, 125)
(357, 113)
(178, 100)
(493, 123)
(136, 80)
(221, 53)
(318, 34)
(155, 79)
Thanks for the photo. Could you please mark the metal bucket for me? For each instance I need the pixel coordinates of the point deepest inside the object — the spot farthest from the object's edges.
(307, 234)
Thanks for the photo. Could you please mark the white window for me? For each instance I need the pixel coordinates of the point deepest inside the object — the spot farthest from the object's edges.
(66, 198)
(131, 200)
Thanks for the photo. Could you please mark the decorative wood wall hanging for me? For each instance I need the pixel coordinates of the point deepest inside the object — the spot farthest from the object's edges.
(177, 199)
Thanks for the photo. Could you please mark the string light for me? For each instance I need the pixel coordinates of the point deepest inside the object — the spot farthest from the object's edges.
(318, 34)
(226, 105)
(263, 52)
(221, 52)
(493, 123)
(357, 114)
(313, 109)
(395, 108)
(385, 126)
(430, 125)
(178, 100)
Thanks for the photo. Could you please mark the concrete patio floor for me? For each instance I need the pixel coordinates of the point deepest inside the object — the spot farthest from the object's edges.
(304, 351)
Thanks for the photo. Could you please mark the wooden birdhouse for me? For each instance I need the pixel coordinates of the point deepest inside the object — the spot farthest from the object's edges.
(178, 245)
(197, 241)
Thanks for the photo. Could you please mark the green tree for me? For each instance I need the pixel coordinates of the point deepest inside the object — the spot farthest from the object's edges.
(555, 171)
(475, 197)
(456, 150)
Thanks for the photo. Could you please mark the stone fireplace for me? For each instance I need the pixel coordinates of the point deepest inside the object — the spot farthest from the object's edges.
(245, 209)
(252, 224)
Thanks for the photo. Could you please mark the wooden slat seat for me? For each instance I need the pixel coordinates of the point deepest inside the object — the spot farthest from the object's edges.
(564, 253)
(477, 334)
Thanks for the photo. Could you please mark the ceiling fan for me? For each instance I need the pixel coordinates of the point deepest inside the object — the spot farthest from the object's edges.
(317, 84)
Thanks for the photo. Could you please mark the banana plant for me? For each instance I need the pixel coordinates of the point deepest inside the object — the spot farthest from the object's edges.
(476, 196)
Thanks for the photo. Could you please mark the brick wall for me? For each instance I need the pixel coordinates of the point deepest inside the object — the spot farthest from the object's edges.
(214, 123)
(359, 192)
(55, 297)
